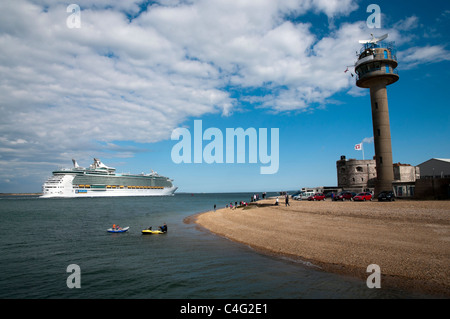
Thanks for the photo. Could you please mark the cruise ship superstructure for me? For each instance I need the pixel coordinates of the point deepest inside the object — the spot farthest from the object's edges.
(100, 180)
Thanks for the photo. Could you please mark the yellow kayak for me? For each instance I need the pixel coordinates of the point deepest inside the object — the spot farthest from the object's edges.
(151, 232)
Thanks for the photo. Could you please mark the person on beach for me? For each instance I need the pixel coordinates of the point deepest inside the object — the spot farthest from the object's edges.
(287, 200)
(214, 207)
(276, 203)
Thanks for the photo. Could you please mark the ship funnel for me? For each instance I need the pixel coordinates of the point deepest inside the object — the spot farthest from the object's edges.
(75, 164)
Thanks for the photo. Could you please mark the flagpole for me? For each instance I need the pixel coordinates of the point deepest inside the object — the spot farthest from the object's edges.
(362, 148)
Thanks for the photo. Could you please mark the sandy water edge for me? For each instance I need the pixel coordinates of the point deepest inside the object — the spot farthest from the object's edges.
(409, 239)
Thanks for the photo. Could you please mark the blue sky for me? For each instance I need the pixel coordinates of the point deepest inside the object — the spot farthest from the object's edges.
(134, 71)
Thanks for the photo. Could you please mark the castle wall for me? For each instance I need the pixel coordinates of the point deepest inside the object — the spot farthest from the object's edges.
(356, 175)
(361, 175)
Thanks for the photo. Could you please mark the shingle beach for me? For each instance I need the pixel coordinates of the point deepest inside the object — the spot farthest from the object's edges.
(408, 240)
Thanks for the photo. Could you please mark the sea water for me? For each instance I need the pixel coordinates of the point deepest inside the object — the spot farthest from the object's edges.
(40, 238)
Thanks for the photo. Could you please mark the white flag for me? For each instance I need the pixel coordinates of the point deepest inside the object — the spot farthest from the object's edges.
(358, 147)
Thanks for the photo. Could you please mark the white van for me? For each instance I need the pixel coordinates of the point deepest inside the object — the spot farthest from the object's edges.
(304, 195)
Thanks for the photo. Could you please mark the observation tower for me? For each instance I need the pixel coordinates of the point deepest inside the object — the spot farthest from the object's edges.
(375, 69)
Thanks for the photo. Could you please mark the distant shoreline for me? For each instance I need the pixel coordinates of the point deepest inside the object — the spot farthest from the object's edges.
(407, 239)
(20, 194)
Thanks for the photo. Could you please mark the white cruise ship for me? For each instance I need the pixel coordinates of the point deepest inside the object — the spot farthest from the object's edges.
(100, 180)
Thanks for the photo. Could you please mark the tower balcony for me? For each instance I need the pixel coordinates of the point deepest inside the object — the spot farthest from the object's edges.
(366, 77)
(377, 62)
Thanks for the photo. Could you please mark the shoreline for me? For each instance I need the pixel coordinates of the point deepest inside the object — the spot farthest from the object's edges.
(408, 240)
(20, 194)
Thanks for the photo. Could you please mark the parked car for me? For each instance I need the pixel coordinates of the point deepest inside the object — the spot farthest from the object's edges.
(318, 196)
(345, 195)
(363, 196)
(386, 195)
(303, 195)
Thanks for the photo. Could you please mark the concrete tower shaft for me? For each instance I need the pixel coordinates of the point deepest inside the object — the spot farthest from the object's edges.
(375, 69)
(382, 137)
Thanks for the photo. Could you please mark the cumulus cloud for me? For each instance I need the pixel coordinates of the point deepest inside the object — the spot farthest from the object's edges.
(422, 55)
(368, 140)
(407, 24)
(335, 7)
(136, 70)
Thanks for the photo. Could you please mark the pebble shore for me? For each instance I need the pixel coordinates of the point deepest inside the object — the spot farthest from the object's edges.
(409, 240)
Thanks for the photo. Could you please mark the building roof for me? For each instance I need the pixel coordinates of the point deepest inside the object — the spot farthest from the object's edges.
(400, 164)
(443, 161)
(437, 159)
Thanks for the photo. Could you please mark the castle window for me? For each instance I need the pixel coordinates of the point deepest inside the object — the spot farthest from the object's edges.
(379, 132)
(359, 169)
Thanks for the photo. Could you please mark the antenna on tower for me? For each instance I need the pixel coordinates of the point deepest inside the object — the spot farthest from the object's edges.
(374, 40)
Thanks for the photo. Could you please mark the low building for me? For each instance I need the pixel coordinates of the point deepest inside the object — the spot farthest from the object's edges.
(318, 189)
(405, 177)
(434, 182)
(428, 180)
(435, 167)
(360, 176)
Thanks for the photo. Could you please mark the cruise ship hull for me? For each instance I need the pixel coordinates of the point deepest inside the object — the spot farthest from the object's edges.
(100, 180)
(109, 192)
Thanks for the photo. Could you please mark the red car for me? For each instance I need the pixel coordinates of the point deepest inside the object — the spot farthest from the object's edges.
(363, 197)
(345, 195)
(318, 196)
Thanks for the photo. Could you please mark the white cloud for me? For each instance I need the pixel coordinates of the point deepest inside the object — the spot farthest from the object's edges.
(415, 56)
(368, 140)
(132, 73)
(116, 79)
(335, 7)
(407, 24)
